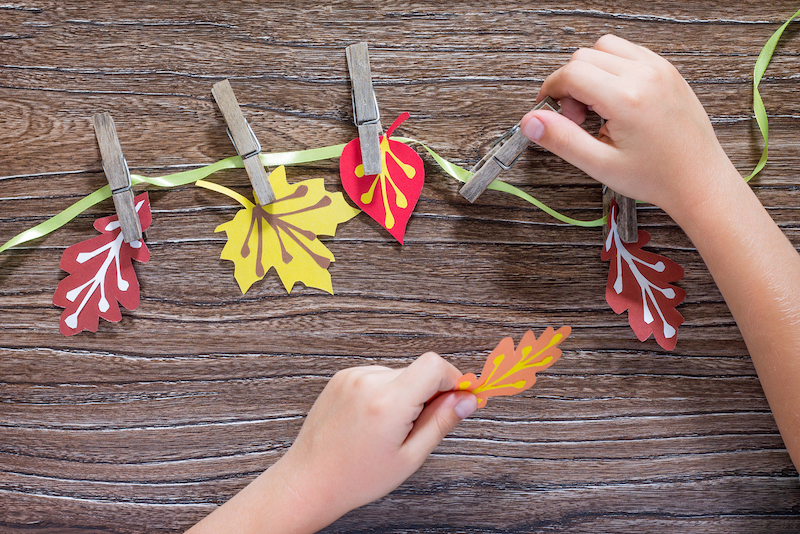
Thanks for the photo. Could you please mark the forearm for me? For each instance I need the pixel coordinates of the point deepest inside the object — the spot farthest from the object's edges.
(267, 505)
(758, 273)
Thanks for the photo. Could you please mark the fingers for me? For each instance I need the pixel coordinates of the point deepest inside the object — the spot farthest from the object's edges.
(598, 76)
(607, 61)
(573, 110)
(425, 377)
(622, 48)
(584, 82)
(436, 421)
(569, 141)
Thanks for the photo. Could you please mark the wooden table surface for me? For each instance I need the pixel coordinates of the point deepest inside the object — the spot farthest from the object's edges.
(148, 424)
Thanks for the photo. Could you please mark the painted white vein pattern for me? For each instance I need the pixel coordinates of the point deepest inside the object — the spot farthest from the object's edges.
(645, 285)
(112, 251)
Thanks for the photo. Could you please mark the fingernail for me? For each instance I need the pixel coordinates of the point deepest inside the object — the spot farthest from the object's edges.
(533, 129)
(466, 406)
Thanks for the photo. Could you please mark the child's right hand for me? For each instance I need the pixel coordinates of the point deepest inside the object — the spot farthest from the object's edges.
(657, 144)
(369, 430)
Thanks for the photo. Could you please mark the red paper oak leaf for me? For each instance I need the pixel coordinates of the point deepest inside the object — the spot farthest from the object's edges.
(101, 274)
(388, 197)
(639, 281)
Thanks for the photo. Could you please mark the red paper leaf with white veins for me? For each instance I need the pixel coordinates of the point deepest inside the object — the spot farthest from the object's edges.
(639, 281)
(388, 197)
(101, 274)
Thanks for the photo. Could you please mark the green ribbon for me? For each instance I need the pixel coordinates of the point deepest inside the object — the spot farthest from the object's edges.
(170, 180)
(328, 152)
(758, 105)
(463, 175)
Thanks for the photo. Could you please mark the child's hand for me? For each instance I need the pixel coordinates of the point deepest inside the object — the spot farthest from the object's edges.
(657, 144)
(369, 430)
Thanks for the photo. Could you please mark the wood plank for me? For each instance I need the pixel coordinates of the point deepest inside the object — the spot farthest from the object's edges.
(150, 423)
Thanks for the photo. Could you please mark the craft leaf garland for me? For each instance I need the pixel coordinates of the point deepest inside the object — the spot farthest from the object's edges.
(639, 281)
(283, 234)
(509, 371)
(101, 274)
(388, 197)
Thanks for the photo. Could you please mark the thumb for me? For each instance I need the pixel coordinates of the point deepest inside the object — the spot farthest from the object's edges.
(569, 141)
(437, 420)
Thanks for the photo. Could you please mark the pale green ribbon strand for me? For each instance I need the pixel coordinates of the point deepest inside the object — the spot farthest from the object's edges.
(317, 154)
(170, 180)
(463, 175)
(758, 105)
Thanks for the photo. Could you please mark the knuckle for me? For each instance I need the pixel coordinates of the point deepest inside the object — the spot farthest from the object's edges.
(438, 366)
(443, 425)
(571, 70)
(340, 377)
(360, 381)
(650, 74)
(632, 97)
(605, 40)
(579, 54)
(431, 359)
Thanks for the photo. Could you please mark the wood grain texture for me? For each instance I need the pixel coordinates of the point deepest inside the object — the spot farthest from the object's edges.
(150, 423)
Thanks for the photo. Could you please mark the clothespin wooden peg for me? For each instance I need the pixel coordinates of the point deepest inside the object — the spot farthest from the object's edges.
(118, 176)
(244, 141)
(502, 156)
(626, 216)
(365, 108)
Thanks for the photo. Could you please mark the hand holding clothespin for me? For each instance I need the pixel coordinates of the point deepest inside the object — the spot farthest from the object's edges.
(118, 175)
(503, 154)
(244, 141)
(365, 108)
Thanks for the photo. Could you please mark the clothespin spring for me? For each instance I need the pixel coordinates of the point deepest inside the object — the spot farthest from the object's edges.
(364, 122)
(128, 182)
(493, 153)
(255, 152)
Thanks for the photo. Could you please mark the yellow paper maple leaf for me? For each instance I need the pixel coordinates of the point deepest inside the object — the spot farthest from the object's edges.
(284, 234)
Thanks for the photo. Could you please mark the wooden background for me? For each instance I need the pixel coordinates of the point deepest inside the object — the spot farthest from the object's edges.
(150, 423)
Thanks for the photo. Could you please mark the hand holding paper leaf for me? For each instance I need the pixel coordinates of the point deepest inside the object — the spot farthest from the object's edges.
(284, 234)
(508, 371)
(101, 274)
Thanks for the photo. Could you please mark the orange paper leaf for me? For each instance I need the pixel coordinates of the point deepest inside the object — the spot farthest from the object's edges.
(508, 371)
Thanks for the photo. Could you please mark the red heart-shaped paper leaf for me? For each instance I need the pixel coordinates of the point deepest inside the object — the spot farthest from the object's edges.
(388, 197)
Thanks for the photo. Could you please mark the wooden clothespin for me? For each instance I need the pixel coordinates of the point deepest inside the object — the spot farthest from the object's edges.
(118, 176)
(244, 141)
(365, 108)
(502, 156)
(626, 216)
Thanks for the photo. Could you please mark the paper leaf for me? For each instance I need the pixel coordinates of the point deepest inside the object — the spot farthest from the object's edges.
(388, 197)
(101, 274)
(284, 234)
(639, 281)
(508, 371)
